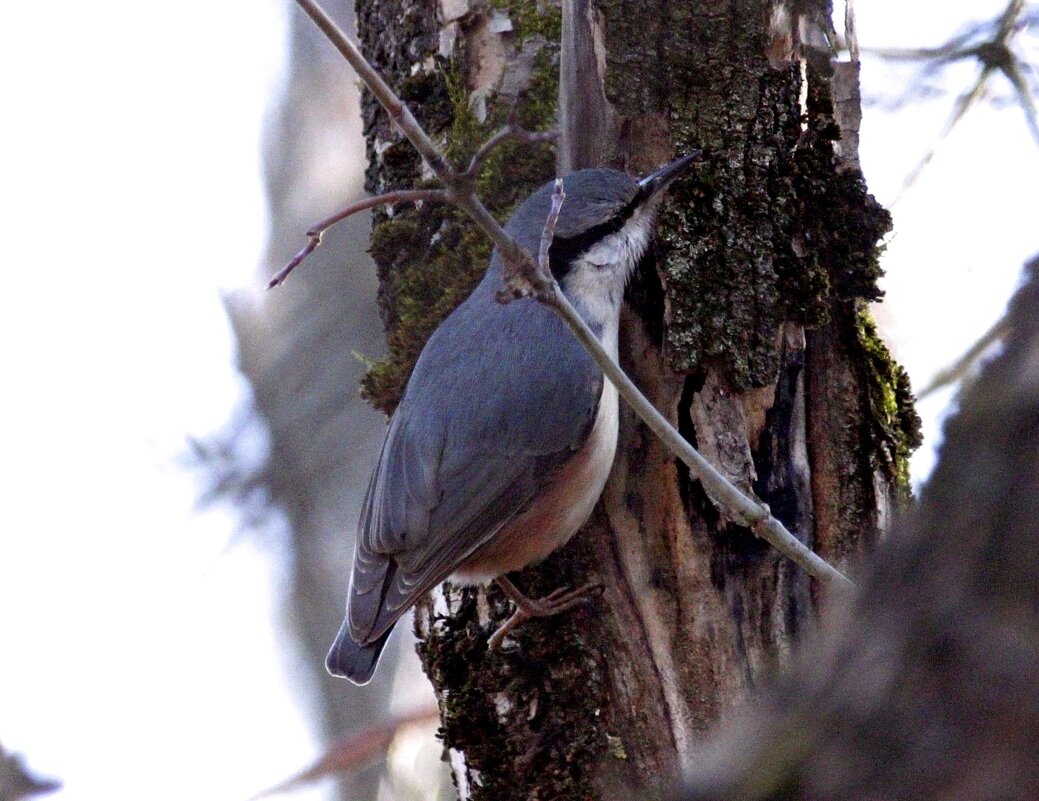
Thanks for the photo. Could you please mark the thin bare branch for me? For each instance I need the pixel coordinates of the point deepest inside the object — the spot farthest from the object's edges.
(943, 53)
(524, 278)
(993, 53)
(317, 231)
(1024, 95)
(519, 265)
(984, 34)
(963, 105)
(955, 371)
(741, 508)
(510, 132)
(549, 232)
(399, 113)
(738, 507)
(1008, 20)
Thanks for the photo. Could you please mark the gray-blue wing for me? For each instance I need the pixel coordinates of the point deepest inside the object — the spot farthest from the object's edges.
(501, 397)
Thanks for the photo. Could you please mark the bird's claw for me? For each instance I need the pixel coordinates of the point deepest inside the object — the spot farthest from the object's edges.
(526, 608)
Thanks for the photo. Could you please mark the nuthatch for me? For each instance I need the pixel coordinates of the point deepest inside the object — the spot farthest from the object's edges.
(506, 433)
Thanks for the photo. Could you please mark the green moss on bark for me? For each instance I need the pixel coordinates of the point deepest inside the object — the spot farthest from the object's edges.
(430, 258)
(533, 18)
(893, 417)
(424, 291)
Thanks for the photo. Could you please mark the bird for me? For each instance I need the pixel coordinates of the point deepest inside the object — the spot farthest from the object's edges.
(506, 432)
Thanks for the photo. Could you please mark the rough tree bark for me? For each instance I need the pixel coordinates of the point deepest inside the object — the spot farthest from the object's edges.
(747, 326)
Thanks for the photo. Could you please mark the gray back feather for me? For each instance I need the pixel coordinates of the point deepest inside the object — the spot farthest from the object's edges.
(500, 398)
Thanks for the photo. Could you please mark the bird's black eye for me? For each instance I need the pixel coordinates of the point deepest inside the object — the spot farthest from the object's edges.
(561, 256)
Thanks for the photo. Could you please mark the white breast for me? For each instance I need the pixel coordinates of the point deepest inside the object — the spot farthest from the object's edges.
(597, 459)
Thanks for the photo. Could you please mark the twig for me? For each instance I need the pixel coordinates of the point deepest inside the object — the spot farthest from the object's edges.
(963, 105)
(1008, 19)
(955, 371)
(942, 54)
(399, 113)
(993, 53)
(511, 131)
(521, 272)
(524, 278)
(315, 233)
(741, 509)
(549, 231)
(1011, 21)
(1024, 95)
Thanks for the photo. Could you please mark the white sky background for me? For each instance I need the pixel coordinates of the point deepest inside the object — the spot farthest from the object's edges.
(138, 652)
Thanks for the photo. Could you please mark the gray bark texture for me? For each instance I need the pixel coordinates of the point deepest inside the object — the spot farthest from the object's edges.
(925, 686)
(296, 347)
(746, 326)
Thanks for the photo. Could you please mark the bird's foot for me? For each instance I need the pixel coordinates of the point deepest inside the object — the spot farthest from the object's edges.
(527, 608)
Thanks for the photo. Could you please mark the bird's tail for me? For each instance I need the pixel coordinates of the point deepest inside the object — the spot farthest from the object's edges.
(352, 661)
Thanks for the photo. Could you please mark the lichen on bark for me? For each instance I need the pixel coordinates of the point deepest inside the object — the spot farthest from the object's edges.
(726, 228)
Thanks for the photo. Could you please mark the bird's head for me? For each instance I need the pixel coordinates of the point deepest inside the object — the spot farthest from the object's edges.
(605, 225)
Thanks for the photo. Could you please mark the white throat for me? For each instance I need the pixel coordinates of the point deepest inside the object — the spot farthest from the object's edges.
(596, 280)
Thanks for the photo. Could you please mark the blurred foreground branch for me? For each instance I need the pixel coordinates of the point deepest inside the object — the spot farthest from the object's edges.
(16, 782)
(958, 369)
(352, 753)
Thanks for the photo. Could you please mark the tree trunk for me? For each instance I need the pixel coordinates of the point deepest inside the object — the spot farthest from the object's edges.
(747, 327)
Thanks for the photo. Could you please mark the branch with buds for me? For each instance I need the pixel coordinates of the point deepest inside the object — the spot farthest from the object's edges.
(525, 276)
(317, 231)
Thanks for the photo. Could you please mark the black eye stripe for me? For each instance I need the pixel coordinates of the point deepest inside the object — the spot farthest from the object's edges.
(565, 249)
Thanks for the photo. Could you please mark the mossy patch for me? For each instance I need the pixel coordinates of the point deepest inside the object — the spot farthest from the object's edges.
(430, 258)
(529, 18)
(893, 417)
